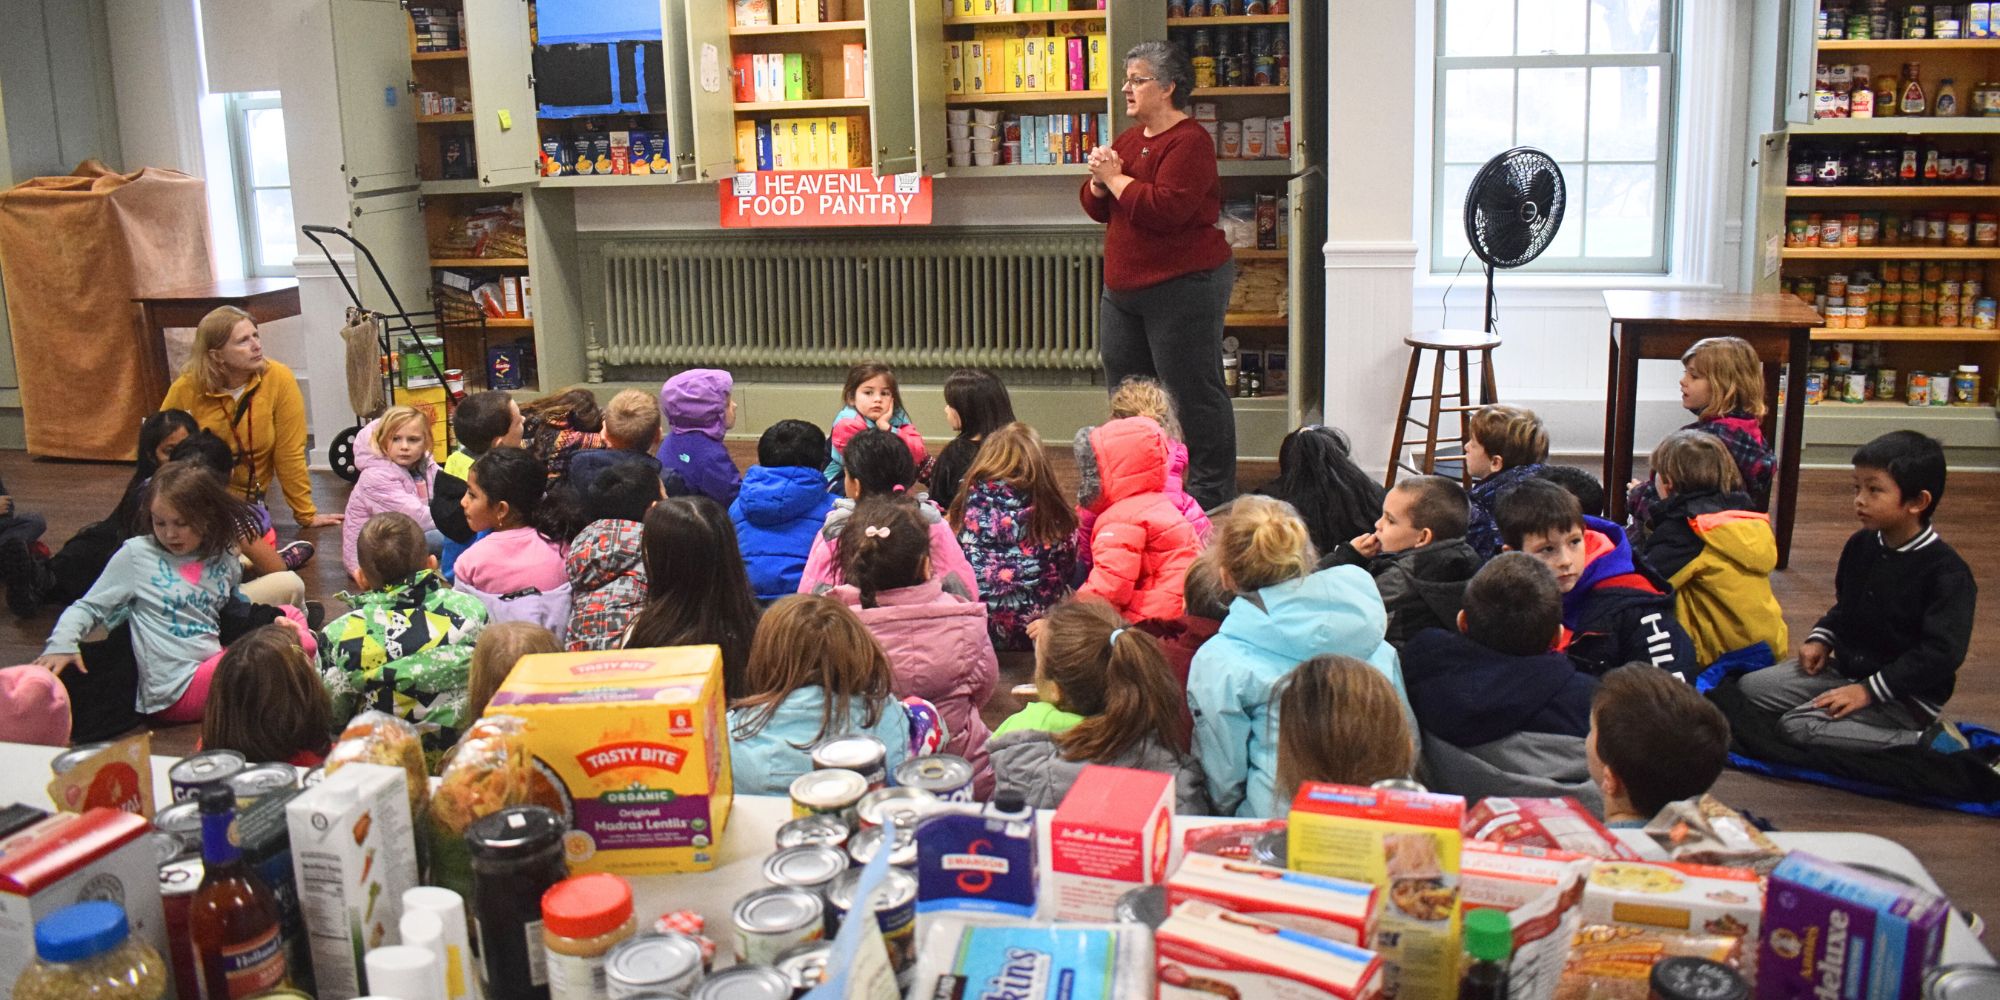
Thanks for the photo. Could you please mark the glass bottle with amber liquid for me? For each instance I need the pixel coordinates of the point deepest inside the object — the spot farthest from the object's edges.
(234, 920)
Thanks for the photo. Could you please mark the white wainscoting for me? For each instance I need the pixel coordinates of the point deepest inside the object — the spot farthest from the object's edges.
(1367, 317)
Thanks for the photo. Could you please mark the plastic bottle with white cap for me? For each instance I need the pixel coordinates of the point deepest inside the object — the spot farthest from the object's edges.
(426, 931)
(405, 972)
(461, 977)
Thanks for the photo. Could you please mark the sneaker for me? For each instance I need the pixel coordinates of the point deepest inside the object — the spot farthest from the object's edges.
(315, 615)
(297, 554)
(17, 570)
(1943, 737)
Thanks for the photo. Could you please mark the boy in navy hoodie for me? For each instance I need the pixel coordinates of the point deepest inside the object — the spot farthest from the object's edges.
(781, 506)
(1616, 608)
(1878, 666)
(1504, 447)
(698, 408)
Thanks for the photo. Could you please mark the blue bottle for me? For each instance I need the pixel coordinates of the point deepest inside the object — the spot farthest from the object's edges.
(981, 862)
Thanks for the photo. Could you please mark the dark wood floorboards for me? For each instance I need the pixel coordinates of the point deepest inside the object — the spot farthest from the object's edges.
(1957, 848)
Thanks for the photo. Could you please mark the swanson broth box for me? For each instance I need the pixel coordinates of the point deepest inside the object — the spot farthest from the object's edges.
(1112, 833)
(632, 748)
(1831, 931)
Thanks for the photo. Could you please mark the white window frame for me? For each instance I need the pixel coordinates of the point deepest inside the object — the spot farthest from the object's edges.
(237, 108)
(1666, 151)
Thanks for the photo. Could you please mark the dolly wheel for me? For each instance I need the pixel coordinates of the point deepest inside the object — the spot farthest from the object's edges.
(341, 454)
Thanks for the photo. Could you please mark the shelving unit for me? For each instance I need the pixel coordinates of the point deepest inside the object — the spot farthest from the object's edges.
(1045, 81)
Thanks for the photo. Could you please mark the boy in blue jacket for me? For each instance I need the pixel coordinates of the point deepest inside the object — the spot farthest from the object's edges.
(1615, 607)
(699, 409)
(781, 506)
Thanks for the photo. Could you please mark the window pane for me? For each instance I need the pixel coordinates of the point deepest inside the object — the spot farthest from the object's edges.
(1551, 110)
(264, 135)
(1478, 108)
(1451, 243)
(1552, 26)
(1618, 220)
(1568, 241)
(1625, 113)
(1624, 26)
(277, 243)
(1479, 28)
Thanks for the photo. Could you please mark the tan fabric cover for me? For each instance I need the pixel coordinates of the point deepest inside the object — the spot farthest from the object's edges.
(74, 251)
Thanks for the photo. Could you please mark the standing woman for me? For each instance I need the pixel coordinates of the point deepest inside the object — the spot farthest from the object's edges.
(253, 403)
(1168, 270)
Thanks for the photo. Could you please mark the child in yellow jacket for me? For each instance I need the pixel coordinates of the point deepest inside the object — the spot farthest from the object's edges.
(1716, 551)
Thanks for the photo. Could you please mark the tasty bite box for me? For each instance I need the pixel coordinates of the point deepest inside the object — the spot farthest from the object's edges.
(1333, 908)
(1541, 892)
(71, 858)
(353, 856)
(1831, 931)
(1204, 951)
(630, 745)
(1111, 834)
(1407, 843)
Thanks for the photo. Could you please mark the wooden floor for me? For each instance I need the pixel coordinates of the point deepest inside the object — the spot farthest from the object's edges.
(1957, 848)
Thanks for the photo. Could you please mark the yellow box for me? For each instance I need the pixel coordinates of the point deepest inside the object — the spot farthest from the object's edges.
(1055, 63)
(842, 143)
(1100, 69)
(746, 146)
(636, 746)
(812, 143)
(785, 12)
(1033, 60)
(975, 67)
(1017, 65)
(782, 155)
(954, 67)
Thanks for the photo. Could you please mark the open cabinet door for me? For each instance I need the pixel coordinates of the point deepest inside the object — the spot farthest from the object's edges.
(892, 98)
(932, 82)
(391, 226)
(371, 66)
(500, 59)
(711, 89)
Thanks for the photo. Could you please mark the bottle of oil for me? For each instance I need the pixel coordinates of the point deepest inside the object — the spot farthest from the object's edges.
(234, 919)
(1913, 100)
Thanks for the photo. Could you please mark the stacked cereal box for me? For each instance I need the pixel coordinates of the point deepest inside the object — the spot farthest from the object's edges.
(630, 747)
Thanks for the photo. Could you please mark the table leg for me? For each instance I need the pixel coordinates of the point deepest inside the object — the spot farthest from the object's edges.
(1614, 499)
(1620, 458)
(154, 358)
(1786, 502)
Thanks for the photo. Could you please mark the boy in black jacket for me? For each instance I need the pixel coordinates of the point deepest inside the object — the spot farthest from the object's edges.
(1878, 667)
(1418, 555)
(1616, 608)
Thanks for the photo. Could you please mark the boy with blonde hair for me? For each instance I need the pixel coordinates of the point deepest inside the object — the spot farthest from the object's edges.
(1505, 446)
(631, 432)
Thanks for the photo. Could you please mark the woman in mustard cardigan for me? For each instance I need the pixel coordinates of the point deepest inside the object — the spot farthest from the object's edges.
(253, 403)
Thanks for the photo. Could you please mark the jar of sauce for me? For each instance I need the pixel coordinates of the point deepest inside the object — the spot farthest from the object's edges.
(517, 855)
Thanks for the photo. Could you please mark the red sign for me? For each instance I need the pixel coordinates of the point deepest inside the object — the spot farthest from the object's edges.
(657, 756)
(790, 199)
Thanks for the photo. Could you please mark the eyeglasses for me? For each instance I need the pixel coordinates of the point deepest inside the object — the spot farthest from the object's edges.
(1135, 82)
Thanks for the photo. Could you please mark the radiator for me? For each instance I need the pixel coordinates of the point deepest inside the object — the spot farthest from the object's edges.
(1016, 300)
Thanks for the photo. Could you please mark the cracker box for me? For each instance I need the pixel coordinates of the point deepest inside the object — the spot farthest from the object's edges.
(1551, 824)
(1542, 894)
(1320, 905)
(353, 855)
(1831, 931)
(1204, 951)
(1696, 899)
(72, 858)
(1112, 833)
(1408, 844)
(633, 743)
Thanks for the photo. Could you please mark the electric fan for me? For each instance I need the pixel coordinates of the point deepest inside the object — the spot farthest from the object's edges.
(1512, 210)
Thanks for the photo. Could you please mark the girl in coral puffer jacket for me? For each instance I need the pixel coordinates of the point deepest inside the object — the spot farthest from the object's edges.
(1141, 543)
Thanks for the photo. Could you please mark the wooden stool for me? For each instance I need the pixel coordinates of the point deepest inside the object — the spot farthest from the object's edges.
(1463, 343)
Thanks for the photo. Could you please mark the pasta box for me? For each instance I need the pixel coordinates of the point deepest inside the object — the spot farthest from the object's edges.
(1541, 892)
(70, 858)
(1111, 834)
(1204, 951)
(1320, 905)
(630, 746)
(1552, 824)
(1832, 931)
(1685, 898)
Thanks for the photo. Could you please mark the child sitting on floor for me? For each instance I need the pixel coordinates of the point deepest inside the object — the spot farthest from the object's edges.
(1504, 447)
(699, 409)
(1653, 740)
(975, 404)
(781, 507)
(517, 569)
(267, 702)
(871, 400)
(1017, 530)
(815, 674)
(1318, 477)
(555, 427)
(696, 590)
(1715, 550)
(1140, 541)
(878, 465)
(1722, 384)
(479, 422)
(1418, 555)
(500, 646)
(1617, 609)
(406, 622)
(1880, 665)
(397, 473)
(1340, 721)
(1502, 710)
(631, 432)
(606, 563)
(1139, 396)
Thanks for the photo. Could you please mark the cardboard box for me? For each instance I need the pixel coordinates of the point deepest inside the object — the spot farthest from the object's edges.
(1202, 946)
(770, 73)
(1690, 899)
(1112, 833)
(1077, 59)
(636, 741)
(353, 855)
(839, 155)
(263, 832)
(510, 291)
(785, 11)
(120, 777)
(1017, 66)
(812, 136)
(975, 67)
(1332, 908)
(1408, 844)
(746, 146)
(745, 77)
(1100, 63)
(954, 68)
(795, 76)
(1829, 930)
(1552, 824)
(767, 153)
(71, 858)
(621, 163)
(1055, 63)
(1034, 63)
(1541, 892)
(854, 71)
(528, 294)
(781, 144)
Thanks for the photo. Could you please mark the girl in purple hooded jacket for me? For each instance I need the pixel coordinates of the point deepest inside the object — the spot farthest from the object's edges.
(699, 409)
(398, 473)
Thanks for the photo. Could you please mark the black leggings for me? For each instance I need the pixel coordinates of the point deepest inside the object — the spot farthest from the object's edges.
(1172, 331)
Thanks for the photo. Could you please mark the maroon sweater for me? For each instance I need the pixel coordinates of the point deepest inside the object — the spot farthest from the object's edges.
(1165, 225)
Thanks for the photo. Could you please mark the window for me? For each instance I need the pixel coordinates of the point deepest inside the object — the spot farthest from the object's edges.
(1591, 83)
(263, 184)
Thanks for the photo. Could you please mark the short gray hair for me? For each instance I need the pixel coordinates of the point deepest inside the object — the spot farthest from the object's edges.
(1170, 63)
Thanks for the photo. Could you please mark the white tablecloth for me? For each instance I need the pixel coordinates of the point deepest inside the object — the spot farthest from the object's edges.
(754, 821)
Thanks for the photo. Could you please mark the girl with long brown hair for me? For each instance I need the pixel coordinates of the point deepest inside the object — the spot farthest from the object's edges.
(696, 589)
(268, 703)
(1339, 720)
(815, 674)
(1018, 532)
(1108, 697)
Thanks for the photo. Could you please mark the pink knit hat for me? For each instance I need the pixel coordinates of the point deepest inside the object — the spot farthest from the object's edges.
(34, 706)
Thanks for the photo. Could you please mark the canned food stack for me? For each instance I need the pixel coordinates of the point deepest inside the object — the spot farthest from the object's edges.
(1943, 294)
(1237, 56)
(1840, 230)
(1843, 372)
(1909, 161)
(1880, 20)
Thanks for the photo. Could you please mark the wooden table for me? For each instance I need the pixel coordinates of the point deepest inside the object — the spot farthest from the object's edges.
(265, 299)
(1664, 325)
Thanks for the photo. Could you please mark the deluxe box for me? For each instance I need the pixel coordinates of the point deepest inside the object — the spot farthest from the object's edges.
(1541, 892)
(1552, 824)
(353, 855)
(1111, 834)
(72, 858)
(633, 743)
(1408, 844)
(1333, 908)
(1831, 931)
(1204, 951)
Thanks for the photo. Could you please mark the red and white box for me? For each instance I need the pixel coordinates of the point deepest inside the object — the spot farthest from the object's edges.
(72, 858)
(1111, 834)
(1541, 892)
(1204, 951)
(1552, 824)
(1694, 899)
(1332, 908)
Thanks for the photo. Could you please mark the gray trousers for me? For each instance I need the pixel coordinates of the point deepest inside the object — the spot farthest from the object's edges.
(1172, 332)
(1788, 691)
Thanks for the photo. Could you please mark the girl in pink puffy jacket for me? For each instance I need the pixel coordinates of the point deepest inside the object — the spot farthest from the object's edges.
(1141, 543)
(398, 472)
(937, 643)
(1139, 396)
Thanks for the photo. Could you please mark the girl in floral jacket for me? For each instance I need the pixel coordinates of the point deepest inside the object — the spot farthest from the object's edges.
(1017, 531)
